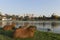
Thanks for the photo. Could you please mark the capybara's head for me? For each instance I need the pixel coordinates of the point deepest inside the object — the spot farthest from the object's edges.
(32, 28)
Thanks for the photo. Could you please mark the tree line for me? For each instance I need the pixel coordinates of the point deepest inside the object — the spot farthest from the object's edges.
(27, 18)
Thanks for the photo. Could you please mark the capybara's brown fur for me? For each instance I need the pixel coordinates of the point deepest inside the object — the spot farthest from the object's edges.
(9, 27)
(24, 32)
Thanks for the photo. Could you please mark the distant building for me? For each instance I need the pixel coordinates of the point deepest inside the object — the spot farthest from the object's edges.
(4, 18)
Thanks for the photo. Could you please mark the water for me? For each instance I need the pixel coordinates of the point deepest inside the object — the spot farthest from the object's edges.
(41, 26)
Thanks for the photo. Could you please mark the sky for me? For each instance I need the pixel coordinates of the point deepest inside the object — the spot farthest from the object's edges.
(36, 7)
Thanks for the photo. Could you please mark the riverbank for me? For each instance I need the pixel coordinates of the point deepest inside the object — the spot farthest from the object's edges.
(7, 35)
(42, 21)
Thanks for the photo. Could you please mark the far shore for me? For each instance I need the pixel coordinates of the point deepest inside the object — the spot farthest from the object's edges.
(42, 21)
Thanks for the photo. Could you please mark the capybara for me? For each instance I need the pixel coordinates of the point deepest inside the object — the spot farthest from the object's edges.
(9, 27)
(24, 32)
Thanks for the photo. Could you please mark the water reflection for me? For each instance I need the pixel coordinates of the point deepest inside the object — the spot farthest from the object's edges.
(49, 27)
(56, 27)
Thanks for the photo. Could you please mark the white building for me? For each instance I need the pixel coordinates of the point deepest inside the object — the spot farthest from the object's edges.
(4, 18)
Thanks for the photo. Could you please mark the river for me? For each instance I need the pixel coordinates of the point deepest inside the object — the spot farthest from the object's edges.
(47, 26)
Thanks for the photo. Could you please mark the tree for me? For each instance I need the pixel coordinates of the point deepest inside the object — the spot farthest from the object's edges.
(13, 17)
(21, 18)
(26, 18)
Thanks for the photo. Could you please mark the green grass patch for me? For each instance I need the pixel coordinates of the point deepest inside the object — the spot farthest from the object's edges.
(8, 35)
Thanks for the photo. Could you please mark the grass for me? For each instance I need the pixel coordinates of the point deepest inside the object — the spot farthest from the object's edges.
(8, 35)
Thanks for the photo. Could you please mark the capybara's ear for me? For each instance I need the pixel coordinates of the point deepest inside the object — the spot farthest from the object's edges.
(20, 26)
